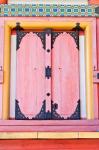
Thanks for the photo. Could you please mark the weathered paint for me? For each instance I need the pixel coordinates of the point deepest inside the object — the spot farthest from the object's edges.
(65, 74)
(27, 88)
(30, 82)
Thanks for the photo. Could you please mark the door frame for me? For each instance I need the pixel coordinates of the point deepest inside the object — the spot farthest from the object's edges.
(54, 25)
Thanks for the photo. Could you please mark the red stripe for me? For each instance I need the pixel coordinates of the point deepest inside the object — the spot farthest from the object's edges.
(81, 33)
(13, 32)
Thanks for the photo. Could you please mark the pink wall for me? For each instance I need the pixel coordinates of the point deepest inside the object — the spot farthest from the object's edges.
(98, 53)
(1, 59)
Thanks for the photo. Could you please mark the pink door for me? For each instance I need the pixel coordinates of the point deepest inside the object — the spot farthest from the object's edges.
(65, 74)
(30, 89)
(47, 82)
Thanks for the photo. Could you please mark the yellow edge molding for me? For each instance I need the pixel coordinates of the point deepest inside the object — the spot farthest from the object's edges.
(42, 25)
(57, 135)
(49, 135)
(18, 135)
(6, 85)
(89, 135)
(89, 73)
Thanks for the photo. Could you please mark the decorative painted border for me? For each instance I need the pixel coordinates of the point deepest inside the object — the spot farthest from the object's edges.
(49, 10)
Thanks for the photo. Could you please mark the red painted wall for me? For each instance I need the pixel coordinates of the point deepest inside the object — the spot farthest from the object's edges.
(84, 144)
(3, 1)
(93, 1)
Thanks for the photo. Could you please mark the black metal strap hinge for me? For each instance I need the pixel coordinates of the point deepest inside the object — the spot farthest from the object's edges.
(48, 72)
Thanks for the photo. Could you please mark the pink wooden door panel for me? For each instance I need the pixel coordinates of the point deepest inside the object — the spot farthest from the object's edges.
(65, 74)
(30, 89)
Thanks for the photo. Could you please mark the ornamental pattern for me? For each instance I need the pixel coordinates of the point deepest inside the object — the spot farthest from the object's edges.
(48, 10)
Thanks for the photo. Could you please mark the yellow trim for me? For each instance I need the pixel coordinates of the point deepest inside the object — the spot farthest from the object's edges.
(46, 24)
(54, 25)
(57, 135)
(89, 74)
(89, 135)
(18, 135)
(49, 135)
(6, 85)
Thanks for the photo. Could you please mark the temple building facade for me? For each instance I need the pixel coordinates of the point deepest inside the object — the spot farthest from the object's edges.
(49, 74)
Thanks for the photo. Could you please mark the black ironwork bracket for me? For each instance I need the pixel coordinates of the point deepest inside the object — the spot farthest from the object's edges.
(73, 34)
(54, 36)
(21, 34)
(18, 114)
(53, 115)
(76, 38)
(76, 114)
(41, 35)
(43, 115)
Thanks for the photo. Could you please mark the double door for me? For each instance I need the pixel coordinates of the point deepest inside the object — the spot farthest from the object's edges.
(47, 75)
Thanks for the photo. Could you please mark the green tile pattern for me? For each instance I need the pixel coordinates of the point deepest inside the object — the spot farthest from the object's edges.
(48, 10)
